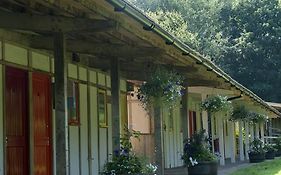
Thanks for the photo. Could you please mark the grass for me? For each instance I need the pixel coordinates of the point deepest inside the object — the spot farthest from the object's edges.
(265, 168)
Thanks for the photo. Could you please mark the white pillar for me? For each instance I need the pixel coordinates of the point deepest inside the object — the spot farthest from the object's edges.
(247, 144)
(252, 132)
(213, 131)
(205, 116)
(262, 132)
(231, 133)
(221, 140)
(241, 146)
(257, 127)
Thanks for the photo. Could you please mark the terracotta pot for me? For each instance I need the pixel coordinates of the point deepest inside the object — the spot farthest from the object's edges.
(256, 157)
(204, 168)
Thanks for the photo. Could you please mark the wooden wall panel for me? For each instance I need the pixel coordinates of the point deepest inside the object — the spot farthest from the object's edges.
(15, 54)
(40, 61)
(94, 131)
(83, 128)
(101, 79)
(103, 142)
(72, 71)
(92, 76)
(82, 73)
(74, 154)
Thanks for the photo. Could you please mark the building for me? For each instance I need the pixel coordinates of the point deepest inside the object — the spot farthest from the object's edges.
(63, 72)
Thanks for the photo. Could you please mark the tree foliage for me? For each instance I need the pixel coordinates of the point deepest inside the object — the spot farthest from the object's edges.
(242, 36)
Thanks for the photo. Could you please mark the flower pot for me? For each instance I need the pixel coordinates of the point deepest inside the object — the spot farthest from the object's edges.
(270, 155)
(278, 153)
(204, 168)
(256, 157)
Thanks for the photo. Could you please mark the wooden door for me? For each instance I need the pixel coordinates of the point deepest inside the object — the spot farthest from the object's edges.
(41, 85)
(16, 122)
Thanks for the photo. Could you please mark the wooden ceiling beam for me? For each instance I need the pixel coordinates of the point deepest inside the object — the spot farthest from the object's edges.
(97, 49)
(48, 23)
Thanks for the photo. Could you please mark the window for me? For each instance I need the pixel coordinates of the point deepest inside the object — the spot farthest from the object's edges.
(73, 102)
(102, 111)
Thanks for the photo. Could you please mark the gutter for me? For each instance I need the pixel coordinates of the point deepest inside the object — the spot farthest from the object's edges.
(150, 25)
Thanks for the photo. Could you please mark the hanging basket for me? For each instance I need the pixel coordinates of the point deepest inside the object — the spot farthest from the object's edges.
(217, 103)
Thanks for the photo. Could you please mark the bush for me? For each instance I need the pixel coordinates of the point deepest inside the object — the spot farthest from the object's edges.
(256, 147)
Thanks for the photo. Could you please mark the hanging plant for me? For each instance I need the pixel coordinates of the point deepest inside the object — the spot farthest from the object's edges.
(239, 113)
(254, 117)
(163, 88)
(216, 103)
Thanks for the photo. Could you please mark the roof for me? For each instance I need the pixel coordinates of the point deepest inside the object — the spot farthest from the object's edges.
(146, 37)
(138, 15)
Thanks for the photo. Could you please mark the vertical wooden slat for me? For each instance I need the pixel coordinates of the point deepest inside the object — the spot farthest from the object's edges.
(61, 126)
(221, 140)
(184, 114)
(247, 146)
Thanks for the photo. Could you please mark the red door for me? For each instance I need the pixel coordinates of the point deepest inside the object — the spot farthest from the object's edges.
(42, 124)
(16, 121)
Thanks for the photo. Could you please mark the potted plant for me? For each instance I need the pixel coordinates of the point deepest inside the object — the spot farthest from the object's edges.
(277, 146)
(256, 152)
(269, 151)
(125, 161)
(197, 156)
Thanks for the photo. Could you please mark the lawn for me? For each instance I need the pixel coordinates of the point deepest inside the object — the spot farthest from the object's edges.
(265, 168)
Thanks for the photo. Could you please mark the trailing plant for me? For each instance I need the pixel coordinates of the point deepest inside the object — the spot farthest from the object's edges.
(217, 103)
(163, 88)
(256, 147)
(254, 117)
(196, 149)
(239, 113)
(125, 161)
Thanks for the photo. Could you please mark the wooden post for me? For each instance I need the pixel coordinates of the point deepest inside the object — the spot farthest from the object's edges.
(115, 95)
(221, 140)
(241, 144)
(247, 144)
(158, 138)
(61, 126)
(232, 141)
(184, 113)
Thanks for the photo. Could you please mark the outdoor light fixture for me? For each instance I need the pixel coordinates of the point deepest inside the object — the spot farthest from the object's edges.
(120, 9)
(170, 42)
(75, 57)
(236, 97)
(149, 28)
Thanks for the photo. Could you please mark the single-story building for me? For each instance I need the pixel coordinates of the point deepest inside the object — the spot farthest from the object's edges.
(64, 68)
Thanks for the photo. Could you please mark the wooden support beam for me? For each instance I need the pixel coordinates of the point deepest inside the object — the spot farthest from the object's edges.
(184, 113)
(61, 125)
(158, 140)
(241, 142)
(98, 49)
(115, 95)
(48, 23)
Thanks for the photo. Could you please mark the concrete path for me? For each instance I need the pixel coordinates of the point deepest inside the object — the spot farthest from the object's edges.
(230, 168)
